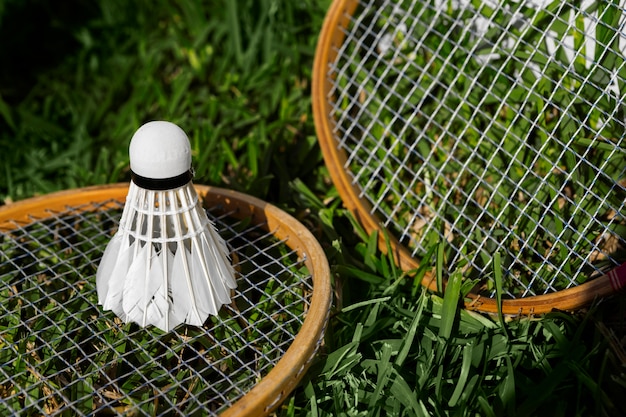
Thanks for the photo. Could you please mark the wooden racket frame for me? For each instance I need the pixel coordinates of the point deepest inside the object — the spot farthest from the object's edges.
(272, 389)
(329, 42)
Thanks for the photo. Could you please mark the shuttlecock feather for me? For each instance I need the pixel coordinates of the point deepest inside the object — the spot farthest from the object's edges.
(166, 265)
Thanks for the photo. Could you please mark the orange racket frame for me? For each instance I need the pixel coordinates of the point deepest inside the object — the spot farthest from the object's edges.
(274, 387)
(330, 41)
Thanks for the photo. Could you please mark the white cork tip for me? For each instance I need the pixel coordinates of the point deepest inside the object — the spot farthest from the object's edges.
(160, 150)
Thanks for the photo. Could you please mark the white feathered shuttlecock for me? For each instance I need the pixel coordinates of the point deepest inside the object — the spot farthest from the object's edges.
(166, 265)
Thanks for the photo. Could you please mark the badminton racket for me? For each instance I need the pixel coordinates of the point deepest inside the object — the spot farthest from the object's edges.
(493, 127)
(62, 355)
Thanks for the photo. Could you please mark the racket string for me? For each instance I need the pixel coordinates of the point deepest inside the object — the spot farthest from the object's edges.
(57, 346)
(479, 126)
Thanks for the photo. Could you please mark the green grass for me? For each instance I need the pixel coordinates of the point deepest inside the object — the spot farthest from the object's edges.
(236, 76)
(397, 354)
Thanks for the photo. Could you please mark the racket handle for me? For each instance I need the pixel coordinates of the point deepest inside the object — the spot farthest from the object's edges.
(617, 277)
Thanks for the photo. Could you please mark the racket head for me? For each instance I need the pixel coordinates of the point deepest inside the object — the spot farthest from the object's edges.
(384, 135)
(62, 353)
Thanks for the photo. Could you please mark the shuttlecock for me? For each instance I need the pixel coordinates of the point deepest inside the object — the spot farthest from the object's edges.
(166, 265)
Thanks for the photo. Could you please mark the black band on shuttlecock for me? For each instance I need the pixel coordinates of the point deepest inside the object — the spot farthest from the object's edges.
(159, 184)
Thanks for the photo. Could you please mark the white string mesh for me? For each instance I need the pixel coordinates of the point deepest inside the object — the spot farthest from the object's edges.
(61, 355)
(497, 126)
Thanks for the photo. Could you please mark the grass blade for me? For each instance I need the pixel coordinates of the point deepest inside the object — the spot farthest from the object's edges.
(497, 276)
(235, 30)
(439, 267)
(407, 342)
(465, 371)
(450, 304)
(384, 370)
